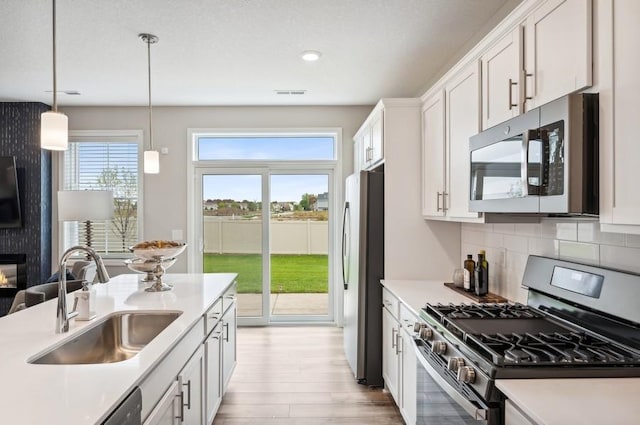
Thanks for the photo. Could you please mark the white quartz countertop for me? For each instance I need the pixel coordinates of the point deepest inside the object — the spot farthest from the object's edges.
(610, 401)
(85, 394)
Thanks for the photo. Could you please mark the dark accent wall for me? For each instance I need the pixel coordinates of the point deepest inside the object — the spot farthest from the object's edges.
(20, 137)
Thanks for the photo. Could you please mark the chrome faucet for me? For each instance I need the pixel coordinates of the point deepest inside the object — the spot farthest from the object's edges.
(62, 317)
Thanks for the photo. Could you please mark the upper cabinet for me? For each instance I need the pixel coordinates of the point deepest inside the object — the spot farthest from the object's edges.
(546, 56)
(449, 118)
(557, 50)
(501, 87)
(619, 89)
(369, 143)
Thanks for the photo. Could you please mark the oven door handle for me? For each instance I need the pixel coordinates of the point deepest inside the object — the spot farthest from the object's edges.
(477, 413)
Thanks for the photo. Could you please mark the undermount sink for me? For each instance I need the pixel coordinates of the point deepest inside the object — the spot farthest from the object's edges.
(115, 338)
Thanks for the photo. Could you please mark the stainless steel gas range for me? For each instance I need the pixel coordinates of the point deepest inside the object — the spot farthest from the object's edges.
(580, 321)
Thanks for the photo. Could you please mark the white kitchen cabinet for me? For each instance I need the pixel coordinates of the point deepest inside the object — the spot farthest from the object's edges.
(557, 50)
(369, 140)
(390, 354)
(168, 410)
(228, 342)
(433, 155)
(191, 379)
(619, 60)
(213, 387)
(459, 113)
(501, 87)
(408, 370)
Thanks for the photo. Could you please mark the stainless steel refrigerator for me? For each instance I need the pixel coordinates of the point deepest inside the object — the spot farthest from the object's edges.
(362, 269)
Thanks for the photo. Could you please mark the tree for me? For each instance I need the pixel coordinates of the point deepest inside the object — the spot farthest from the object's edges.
(124, 185)
(308, 201)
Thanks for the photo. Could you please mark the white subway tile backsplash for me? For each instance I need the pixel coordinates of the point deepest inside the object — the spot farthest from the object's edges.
(633, 241)
(620, 257)
(516, 243)
(582, 252)
(509, 245)
(590, 232)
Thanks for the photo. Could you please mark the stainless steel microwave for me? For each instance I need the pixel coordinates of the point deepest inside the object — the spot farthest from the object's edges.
(544, 161)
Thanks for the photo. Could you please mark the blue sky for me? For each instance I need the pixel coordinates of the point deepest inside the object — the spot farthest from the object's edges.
(277, 148)
(283, 187)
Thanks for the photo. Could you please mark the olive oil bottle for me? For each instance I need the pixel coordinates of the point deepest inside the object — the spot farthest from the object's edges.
(481, 275)
(469, 270)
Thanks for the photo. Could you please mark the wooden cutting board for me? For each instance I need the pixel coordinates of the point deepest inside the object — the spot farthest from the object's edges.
(489, 298)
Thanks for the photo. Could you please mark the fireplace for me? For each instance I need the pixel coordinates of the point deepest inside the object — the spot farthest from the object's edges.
(13, 274)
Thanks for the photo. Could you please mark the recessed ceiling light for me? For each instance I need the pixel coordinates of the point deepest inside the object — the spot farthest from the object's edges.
(311, 55)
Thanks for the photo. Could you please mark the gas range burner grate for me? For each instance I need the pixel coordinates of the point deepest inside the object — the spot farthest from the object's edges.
(561, 349)
(482, 311)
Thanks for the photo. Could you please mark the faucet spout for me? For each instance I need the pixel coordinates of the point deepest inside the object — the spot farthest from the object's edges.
(62, 316)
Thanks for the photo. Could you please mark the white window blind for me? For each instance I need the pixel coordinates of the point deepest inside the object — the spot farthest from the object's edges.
(104, 162)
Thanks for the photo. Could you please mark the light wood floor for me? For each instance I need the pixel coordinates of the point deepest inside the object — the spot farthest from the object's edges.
(299, 376)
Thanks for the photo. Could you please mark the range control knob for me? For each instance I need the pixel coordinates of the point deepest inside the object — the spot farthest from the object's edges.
(417, 326)
(439, 347)
(455, 363)
(466, 374)
(426, 334)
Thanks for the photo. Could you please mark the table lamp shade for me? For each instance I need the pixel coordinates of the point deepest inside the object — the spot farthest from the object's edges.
(82, 205)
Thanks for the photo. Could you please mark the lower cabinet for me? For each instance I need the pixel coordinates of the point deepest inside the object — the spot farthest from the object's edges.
(168, 411)
(213, 393)
(408, 371)
(390, 354)
(513, 415)
(228, 345)
(191, 378)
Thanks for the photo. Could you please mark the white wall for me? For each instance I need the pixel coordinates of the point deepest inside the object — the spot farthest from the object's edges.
(165, 196)
(580, 240)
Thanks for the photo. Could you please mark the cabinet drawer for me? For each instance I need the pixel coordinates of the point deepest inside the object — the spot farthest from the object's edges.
(390, 302)
(407, 318)
(229, 296)
(212, 316)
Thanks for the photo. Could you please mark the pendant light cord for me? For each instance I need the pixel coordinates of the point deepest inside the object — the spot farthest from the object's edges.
(150, 109)
(55, 87)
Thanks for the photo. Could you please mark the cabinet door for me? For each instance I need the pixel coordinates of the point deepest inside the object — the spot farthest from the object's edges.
(168, 410)
(513, 415)
(228, 345)
(557, 50)
(462, 121)
(390, 352)
(433, 155)
(213, 388)
(626, 111)
(377, 139)
(501, 68)
(408, 373)
(191, 379)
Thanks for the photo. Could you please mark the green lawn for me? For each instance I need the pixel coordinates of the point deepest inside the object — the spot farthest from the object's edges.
(289, 273)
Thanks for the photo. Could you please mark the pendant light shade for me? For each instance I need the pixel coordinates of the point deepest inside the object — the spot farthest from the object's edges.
(151, 162)
(54, 131)
(54, 126)
(151, 157)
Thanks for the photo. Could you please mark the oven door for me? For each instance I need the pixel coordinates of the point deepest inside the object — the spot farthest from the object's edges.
(442, 399)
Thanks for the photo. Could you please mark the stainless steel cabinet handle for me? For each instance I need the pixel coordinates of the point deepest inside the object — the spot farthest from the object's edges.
(216, 335)
(444, 201)
(226, 326)
(214, 316)
(526, 75)
(438, 208)
(398, 343)
(394, 338)
(511, 84)
(181, 417)
(188, 404)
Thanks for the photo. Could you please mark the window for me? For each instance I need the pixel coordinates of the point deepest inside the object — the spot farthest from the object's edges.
(107, 160)
(266, 147)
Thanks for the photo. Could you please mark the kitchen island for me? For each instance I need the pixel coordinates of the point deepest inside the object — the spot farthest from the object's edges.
(566, 401)
(87, 393)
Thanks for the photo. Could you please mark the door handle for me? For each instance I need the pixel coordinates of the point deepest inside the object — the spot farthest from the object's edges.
(398, 342)
(526, 75)
(181, 417)
(188, 404)
(394, 339)
(226, 326)
(438, 208)
(345, 265)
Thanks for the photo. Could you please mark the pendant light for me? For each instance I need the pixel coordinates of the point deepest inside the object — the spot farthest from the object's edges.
(54, 126)
(151, 157)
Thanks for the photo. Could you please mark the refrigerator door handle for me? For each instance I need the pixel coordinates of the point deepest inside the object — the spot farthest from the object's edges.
(345, 259)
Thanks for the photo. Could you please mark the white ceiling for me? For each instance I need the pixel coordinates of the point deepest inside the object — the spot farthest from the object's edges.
(235, 52)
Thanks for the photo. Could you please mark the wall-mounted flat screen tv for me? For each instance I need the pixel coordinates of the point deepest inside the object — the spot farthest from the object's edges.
(10, 213)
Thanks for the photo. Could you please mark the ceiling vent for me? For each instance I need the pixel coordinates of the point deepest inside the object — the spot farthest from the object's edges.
(291, 92)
